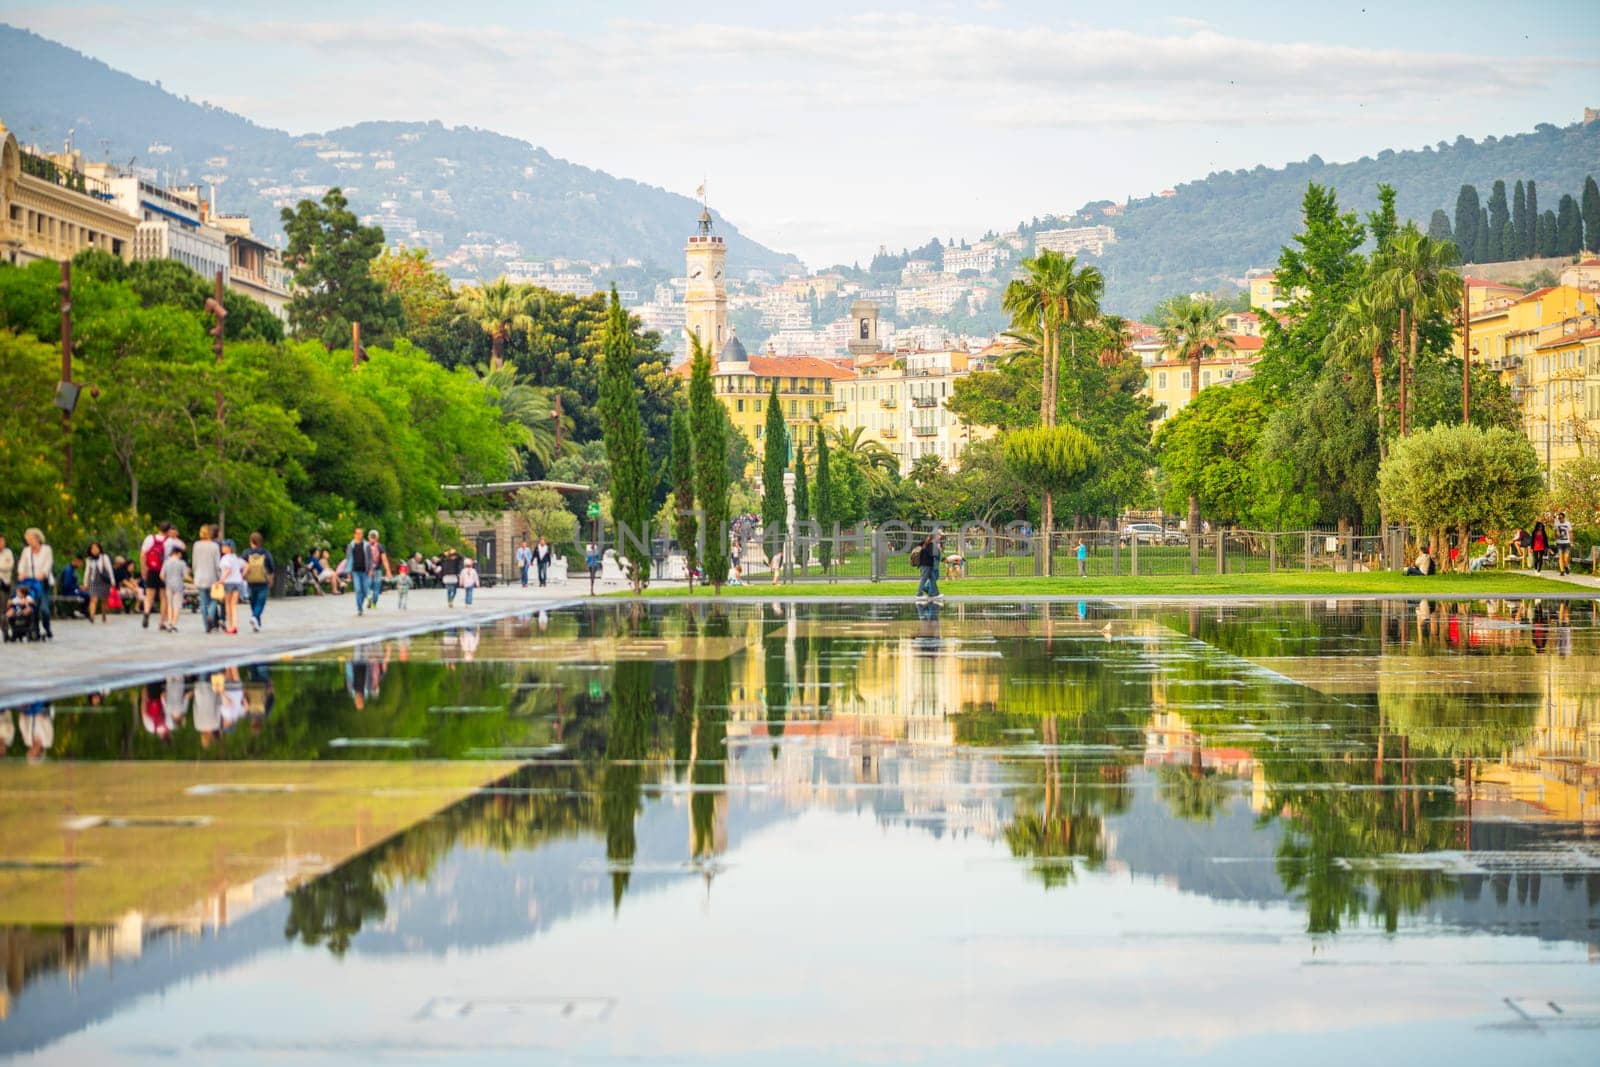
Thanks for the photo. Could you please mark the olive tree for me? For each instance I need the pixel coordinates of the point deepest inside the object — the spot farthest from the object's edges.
(1052, 460)
(1458, 477)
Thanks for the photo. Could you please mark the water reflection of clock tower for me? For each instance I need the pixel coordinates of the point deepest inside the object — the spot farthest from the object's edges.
(705, 299)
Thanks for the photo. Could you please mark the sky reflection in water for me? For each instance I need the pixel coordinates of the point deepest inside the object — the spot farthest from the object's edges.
(1303, 830)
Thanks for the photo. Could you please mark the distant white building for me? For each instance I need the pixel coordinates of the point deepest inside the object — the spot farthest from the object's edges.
(172, 225)
(985, 258)
(1075, 239)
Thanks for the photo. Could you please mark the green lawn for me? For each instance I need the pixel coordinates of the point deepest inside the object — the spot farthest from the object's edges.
(1284, 583)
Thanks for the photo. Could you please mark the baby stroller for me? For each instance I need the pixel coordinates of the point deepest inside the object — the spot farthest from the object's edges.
(24, 627)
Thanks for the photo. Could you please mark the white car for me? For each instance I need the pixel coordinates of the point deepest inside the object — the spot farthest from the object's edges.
(1147, 532)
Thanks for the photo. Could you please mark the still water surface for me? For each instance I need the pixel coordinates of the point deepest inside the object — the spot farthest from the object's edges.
(803, 833)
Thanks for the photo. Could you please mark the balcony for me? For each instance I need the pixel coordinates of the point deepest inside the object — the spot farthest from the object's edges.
(48, 170)
(889, 403)
(889, 433)
(925, 431)
(924, 401)
(830, 407)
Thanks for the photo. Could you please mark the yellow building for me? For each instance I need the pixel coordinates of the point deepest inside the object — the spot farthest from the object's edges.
(900, 401)
(1166, 382)
(1546, 347)
(49, 209)
(1265, 294)
(805, 389)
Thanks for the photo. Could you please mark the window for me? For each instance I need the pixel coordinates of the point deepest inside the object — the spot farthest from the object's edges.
(1205, 378)
(811, 407)
(758, 405)
(1183, 380)
(794, 407)
(739, 405)
(1161, 379)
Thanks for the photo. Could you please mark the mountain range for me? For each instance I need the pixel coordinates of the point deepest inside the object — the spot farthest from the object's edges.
(459, 186)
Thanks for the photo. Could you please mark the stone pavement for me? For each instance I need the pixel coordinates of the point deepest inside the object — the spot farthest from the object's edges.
(122, 653)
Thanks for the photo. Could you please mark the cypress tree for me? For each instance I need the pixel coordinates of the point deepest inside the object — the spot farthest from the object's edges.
(1467, 222)
(622, 430)
(1439, 226)
(1569, 227)
(1519, 222)
(825, 515)
(1547, 234)
(775, 460)
(680, 473)
(1531, 247)
(708, 424)
(1481, 252)
(1385, 222)
(1508, 241)
(1591, 214)
(802, 501)
(1499, 217)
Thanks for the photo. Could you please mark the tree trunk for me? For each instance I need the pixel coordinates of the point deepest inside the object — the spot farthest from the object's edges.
(1194, 501)
(1047, 518)
(1383, 453)
(497, 348)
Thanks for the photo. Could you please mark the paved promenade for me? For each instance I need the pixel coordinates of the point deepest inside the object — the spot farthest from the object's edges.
(122, 653)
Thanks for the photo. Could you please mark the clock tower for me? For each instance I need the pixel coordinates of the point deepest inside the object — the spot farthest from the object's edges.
(705, 299)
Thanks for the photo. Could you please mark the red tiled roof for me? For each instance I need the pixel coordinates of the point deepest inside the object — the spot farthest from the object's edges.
(1536, 293)
(779, 367)
(1566, 339)
(1484, 283)
(1246, 343)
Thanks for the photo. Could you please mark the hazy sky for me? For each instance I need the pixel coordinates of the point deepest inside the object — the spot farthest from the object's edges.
(826, 128)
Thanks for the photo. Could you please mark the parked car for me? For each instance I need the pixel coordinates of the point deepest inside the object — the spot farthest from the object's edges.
(1145, 532)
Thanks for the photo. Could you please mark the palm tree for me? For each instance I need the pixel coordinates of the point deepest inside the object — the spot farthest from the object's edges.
(871, 455)
(1364, 331)
(1118, 339)
(1417, 280)
(530, 411)
(1192, 329)
(1052, 296)
(497, 308)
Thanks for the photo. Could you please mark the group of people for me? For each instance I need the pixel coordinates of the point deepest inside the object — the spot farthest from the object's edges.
(534, 559)
(1527, 546)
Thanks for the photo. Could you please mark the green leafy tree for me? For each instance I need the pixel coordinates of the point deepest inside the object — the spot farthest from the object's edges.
(824, 502)
(1530, 243)
(1591, 214)
(775, 462)
(1051, 459)
(1519, 221)
(709, 425)
(1499, 220)
(1569, 227)
(1483, 244)
(1416, 278)
(547, 516)
(1547, 234)
(1208, 451)
(529, 414)
(427, 300)
(1576, 490)
(1320, 272)
(632, 473)
(1467, 222)
(680, 473)
(1439, 226)
(1192, 329)
(1460, 478)
(331, 255)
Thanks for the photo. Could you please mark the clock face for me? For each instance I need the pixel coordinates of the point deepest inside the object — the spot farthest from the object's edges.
(717, 274)
(696, 273)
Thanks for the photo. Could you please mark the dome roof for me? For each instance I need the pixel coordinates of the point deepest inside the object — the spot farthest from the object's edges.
(733, 352)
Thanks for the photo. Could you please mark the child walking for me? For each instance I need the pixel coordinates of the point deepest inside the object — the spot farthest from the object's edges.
(469, 578)
(173, 572)
(402, 585)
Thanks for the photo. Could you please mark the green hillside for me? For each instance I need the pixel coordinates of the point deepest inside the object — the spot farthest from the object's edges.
(464, 185)
(1216, 228)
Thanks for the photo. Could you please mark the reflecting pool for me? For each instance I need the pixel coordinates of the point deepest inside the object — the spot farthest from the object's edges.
(800, 833)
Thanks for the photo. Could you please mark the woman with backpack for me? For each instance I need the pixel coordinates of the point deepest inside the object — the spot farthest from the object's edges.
(926, 557)
(259, 570)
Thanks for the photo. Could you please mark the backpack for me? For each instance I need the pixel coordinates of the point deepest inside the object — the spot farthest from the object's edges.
(156, 554)
(916, 556)
(255, 569)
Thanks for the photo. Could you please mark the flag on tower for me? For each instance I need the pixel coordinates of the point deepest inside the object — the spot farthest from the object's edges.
(701, 191)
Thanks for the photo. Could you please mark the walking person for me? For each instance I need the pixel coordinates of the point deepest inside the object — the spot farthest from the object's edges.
(152, 557)
(541, 559)
(1083, 558)
(927, 561)
(469, 578)
(36, 566)
(1563, 532)
(173, 571)
(450, 576)
(234, 587)
(355, 564)
(204, 560)
(377, 567)
(1541, 545)
(524, 559)
(402, 585)
(591, 560)
(98, 580)
(259, 570)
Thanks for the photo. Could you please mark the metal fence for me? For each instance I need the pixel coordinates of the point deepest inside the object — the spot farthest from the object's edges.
(979, 552)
